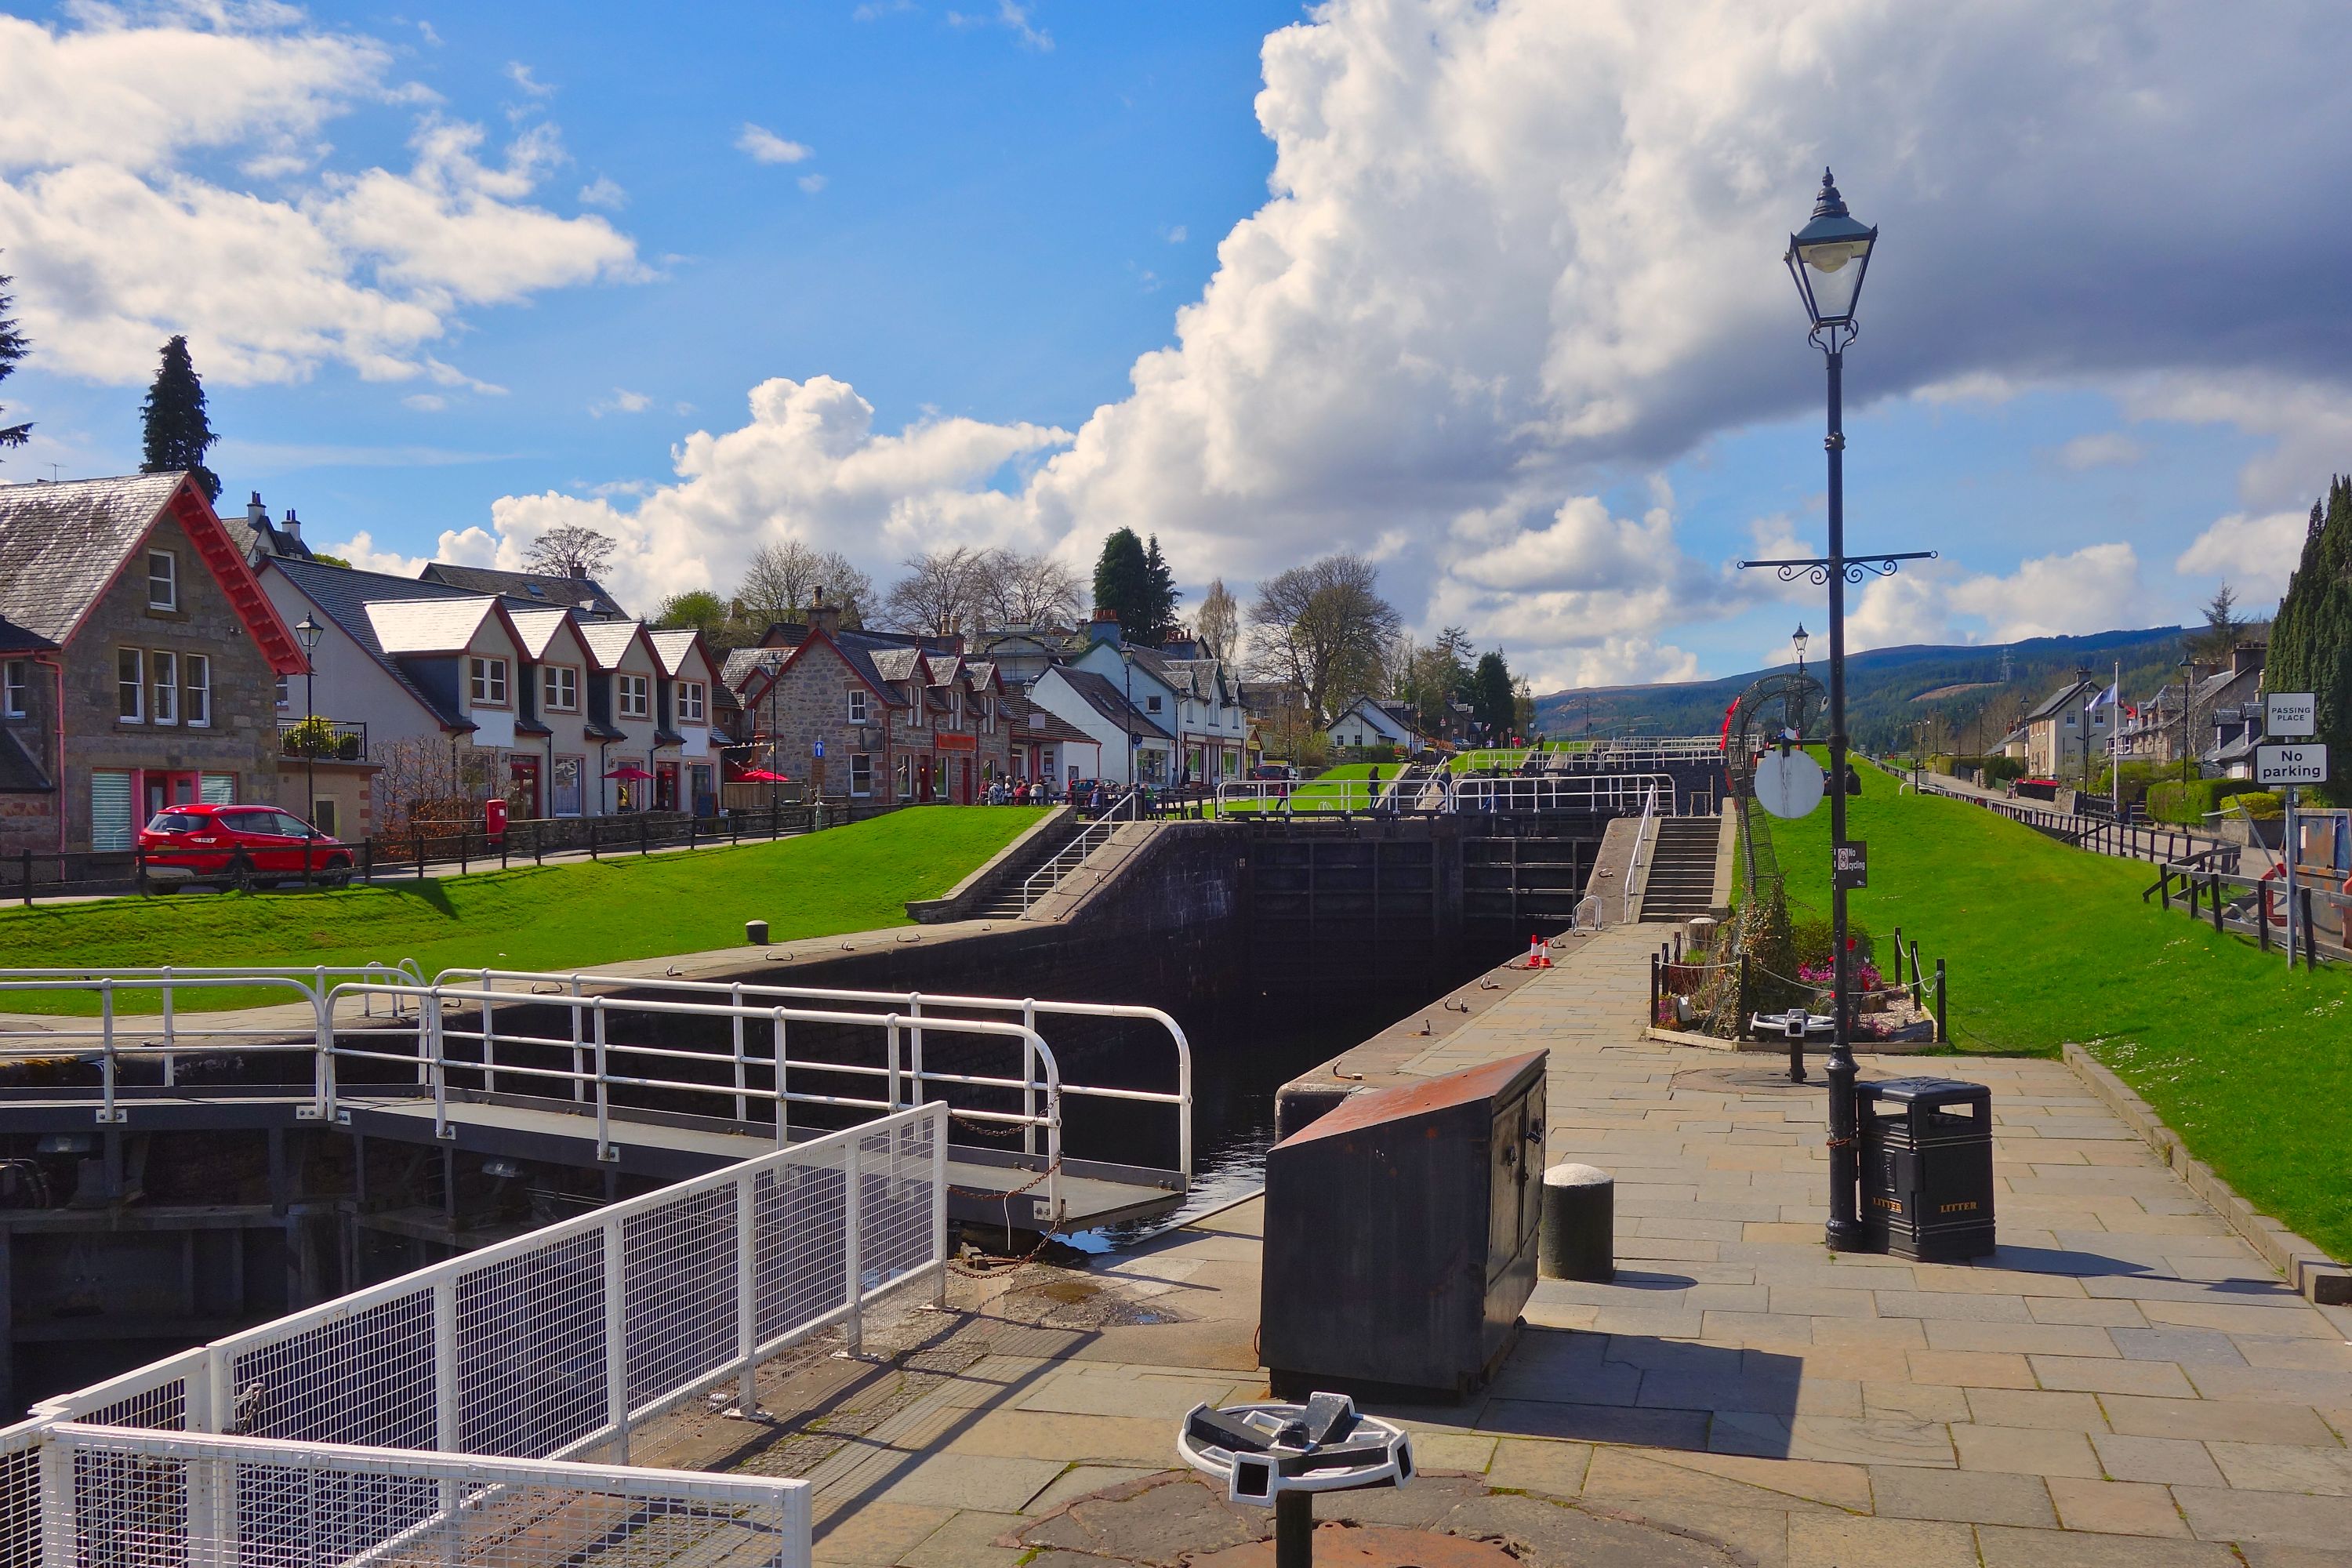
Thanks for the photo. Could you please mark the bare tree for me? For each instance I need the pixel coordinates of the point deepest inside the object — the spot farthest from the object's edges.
(1325, 628)
(1017, 590)
(569, 550)
(942, 593)
(1220, 623)
(780, 581)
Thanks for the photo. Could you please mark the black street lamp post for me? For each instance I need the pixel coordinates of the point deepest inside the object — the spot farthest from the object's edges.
(309, 631)
(1828, 259)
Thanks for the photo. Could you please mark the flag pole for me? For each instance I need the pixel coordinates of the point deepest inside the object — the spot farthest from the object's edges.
(2115, 748)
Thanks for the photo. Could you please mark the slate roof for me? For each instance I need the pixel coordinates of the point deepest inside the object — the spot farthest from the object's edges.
(538, 629)
(2066, 697)
(1106, 699)
(608, 641)
(14, 638)
(343, 594)
(427, 625)
(742, 663)
(530, 588)
(670, 649)
(1030, 724)
(61, 545)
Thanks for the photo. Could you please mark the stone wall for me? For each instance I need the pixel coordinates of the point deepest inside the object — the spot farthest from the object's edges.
(242, 738)
(28, 820)
(811, 703)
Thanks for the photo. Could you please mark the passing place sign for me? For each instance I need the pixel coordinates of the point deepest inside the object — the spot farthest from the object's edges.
(2291, 764)
(2287, 714)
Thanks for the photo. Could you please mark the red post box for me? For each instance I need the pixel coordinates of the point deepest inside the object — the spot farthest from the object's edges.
(494, 818)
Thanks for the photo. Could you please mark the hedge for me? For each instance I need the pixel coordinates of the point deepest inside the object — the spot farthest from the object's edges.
(2191, 802)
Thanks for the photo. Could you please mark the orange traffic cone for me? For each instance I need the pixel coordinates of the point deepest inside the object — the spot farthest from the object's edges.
(1538, 956)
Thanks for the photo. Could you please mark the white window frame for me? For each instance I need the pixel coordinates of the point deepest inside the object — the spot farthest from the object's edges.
(857, 704)
(135, 687)
(197, 691)
(285, 693)
(164, 680)
(955, 708)
(486, 680)
(633, 695)
(169, 580)
(1150, 703)
(689, 702)
(13, 686)
(559, 689)
(861, 763)
(915, 708)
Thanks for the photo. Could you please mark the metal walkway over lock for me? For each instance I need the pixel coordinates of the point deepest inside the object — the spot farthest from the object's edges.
(553, 1067)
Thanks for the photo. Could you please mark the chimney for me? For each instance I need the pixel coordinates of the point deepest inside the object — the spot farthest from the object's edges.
(823, 617)
(291, 527)
(257, 516)
(1104, 628)
(2247, 657)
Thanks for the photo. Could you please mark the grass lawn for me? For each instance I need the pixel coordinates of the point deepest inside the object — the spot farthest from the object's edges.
(857, 877)
(2045, 944)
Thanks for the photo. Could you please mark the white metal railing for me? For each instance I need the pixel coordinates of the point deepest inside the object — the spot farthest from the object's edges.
(1641, 841)
(909, 1005)
(1091, 837)
(1308, 797)
(416, 1396)
(1597, 793)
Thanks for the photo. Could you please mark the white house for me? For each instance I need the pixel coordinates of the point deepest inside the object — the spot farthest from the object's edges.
(1367, 722)
(1191, 698)
(623, 720)
(1098, 710)
(691, 781)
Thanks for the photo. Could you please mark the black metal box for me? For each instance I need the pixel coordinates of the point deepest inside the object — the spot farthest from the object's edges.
(1401, 1235)
(1927, 1167)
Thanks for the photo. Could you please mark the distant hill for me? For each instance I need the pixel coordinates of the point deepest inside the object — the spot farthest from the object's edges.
(1888, 688)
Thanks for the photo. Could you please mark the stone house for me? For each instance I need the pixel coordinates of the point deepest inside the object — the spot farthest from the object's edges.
(139, 661)
(2061, 725)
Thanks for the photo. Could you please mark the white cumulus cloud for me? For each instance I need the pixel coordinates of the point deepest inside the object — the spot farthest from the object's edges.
(116, 242)
(766, 147)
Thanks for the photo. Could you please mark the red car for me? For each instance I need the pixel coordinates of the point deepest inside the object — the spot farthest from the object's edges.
(252, 845)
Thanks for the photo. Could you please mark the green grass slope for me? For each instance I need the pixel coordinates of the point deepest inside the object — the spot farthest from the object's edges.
(857, 877)
(2246, 1060)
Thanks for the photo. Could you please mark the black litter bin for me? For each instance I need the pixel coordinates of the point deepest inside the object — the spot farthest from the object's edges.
(1927, 1167)
(1401, 1235)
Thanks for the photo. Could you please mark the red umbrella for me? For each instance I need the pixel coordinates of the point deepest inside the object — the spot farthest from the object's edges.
(632, 773)
(761, 775)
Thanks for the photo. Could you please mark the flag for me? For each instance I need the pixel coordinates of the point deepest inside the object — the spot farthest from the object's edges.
(2101, 700)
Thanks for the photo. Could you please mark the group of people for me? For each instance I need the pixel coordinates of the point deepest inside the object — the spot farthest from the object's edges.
(1035, 792)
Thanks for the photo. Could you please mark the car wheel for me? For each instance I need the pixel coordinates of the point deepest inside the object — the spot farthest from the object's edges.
(337, 874)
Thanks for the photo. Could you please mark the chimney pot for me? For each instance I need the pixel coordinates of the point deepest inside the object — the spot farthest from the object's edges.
(257, 516)
(293, 526)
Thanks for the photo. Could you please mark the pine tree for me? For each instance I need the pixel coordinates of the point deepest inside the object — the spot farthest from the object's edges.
(2310, 642)
(1492, 698)
(1162, 603)
(12, 348)
(178, 433)
(1123, 584)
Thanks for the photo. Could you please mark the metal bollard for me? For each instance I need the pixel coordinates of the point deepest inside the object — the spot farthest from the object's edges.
(1579, 1235)
(755, 933)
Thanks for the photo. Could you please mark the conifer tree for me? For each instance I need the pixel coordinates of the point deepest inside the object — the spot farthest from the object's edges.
(1123, 584)
(1162, 602)
(178, 434)
(12, 348)
(2310, 642)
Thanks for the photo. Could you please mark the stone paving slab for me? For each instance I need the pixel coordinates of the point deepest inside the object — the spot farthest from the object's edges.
(2124, 1382)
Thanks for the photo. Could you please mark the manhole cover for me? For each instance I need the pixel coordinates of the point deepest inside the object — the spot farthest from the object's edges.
(1748, 1080)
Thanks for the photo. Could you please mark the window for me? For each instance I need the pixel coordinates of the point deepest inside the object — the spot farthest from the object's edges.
(559, 686)
(109, 810)
(130, 687)
(13, 689)
(861, 773)
(163, 580)
(988, 714)
(914, 705)
(858, 705)
(166, 668)
(284, 692)
(217, 789)
(1151, 704)
(198, 706)
(689, 702)
(488, 680)
(906, 776)
(636, 700)
(323, 814)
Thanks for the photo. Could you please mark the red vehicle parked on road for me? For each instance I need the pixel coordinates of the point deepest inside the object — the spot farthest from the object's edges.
(238, 845)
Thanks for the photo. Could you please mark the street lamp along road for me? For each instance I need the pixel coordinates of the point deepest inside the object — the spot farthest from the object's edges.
(1828, 257)
(309, 631)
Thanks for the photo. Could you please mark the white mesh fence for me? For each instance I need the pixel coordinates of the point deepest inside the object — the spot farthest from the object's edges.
(546, 1347)
(119, 1498)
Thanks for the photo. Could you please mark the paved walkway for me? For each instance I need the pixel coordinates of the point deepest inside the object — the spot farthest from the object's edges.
(2126, 1370)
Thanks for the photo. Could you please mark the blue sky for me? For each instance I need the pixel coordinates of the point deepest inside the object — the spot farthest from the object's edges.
(1499, 299)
